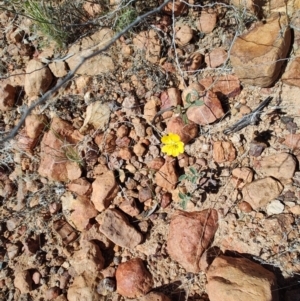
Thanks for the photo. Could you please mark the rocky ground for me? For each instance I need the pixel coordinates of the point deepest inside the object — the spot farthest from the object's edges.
(93, 209)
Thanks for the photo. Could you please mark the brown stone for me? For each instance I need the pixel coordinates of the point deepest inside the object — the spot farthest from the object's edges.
(245, 207)
(179, 8)
(150, 108)
(183, 35)
(87, 259)
(155, 296)
(35, 124)
(156, 163)
(82, 289)
(167, 177)
(78, 210)
(80, 186)
(59, 69)
(133, 279)
(257, 56)
(260, 192)
(194, 61)
(115, 226)
(207, 21)
(216, 57)
(208, 112)
(281, 166)
(228, 85)
(231, 279)
(170, 97)
(291, 76)
(241, 176)
(186, 132)
(129, 206)
(190, 234)
(65, 231)
(292, 141)
(7, 96)
(223, 151)
(105, 189)
(194, 91)
(23, 281)
(38, 78)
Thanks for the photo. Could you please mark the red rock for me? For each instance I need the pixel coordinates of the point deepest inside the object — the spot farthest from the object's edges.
(156, 163)
(186, 132)
(245, 207)
(35, 124)
(195, 92)
(93, 234)
(115, 226)
(38, 78)
(228, 85)
(105, 189)
(129, 207)
(207, 21)
(231, 279)
(7, 96)
(260, 192)
(59, 69)
(223, 151)
(193, 62)
(145, 194)
(24, 142)
(292, 141)
(170, 97)
(166, 200)
(190, 234)
(150, 108)
(259, 63)
(80, 186)
(56, 147)
(133, 280)
(208, 112)
(78, 210)
(155, 296)
(291, 76)
(167, 177)
(216, 57)
(88, 259)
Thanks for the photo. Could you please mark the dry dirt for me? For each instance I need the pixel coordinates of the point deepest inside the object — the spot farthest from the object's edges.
(31, 203)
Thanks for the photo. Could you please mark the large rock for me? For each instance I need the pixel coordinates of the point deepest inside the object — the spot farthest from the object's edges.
(281, 166)
(98, 64)
(115, 226)
(257, 56)
(237, 279)
(38, 78)
(133, 279)
(105, 189)
(260, 192)
(59, 157)
(190, 234)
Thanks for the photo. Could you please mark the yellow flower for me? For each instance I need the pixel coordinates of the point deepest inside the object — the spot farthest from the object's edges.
(173, 146)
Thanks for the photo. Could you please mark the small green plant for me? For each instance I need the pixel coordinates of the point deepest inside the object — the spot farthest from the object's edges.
(46, 20)
(189, 103)
(128, 15)
(72, 154)
(190, 179)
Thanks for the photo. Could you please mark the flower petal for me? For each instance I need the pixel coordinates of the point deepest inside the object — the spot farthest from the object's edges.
(166, 149)
(166, 139)
(174, 137)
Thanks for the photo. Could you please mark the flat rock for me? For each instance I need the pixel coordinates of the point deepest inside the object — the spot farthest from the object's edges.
(56, 145)
(98, 64)
(223, 151)
(133, 279)
(257, 56)
(228, 85)
(208, 112)
(260, 192)
(170, 97)
(216, 57)
(115, 226)
(105, 189)
(186, 132)
(80, 186)
(38, 78)
(78, 210)
(232, 279)
(87, 259)
(167, 177)
(281, 166)
(7, 96)
(190, 234)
